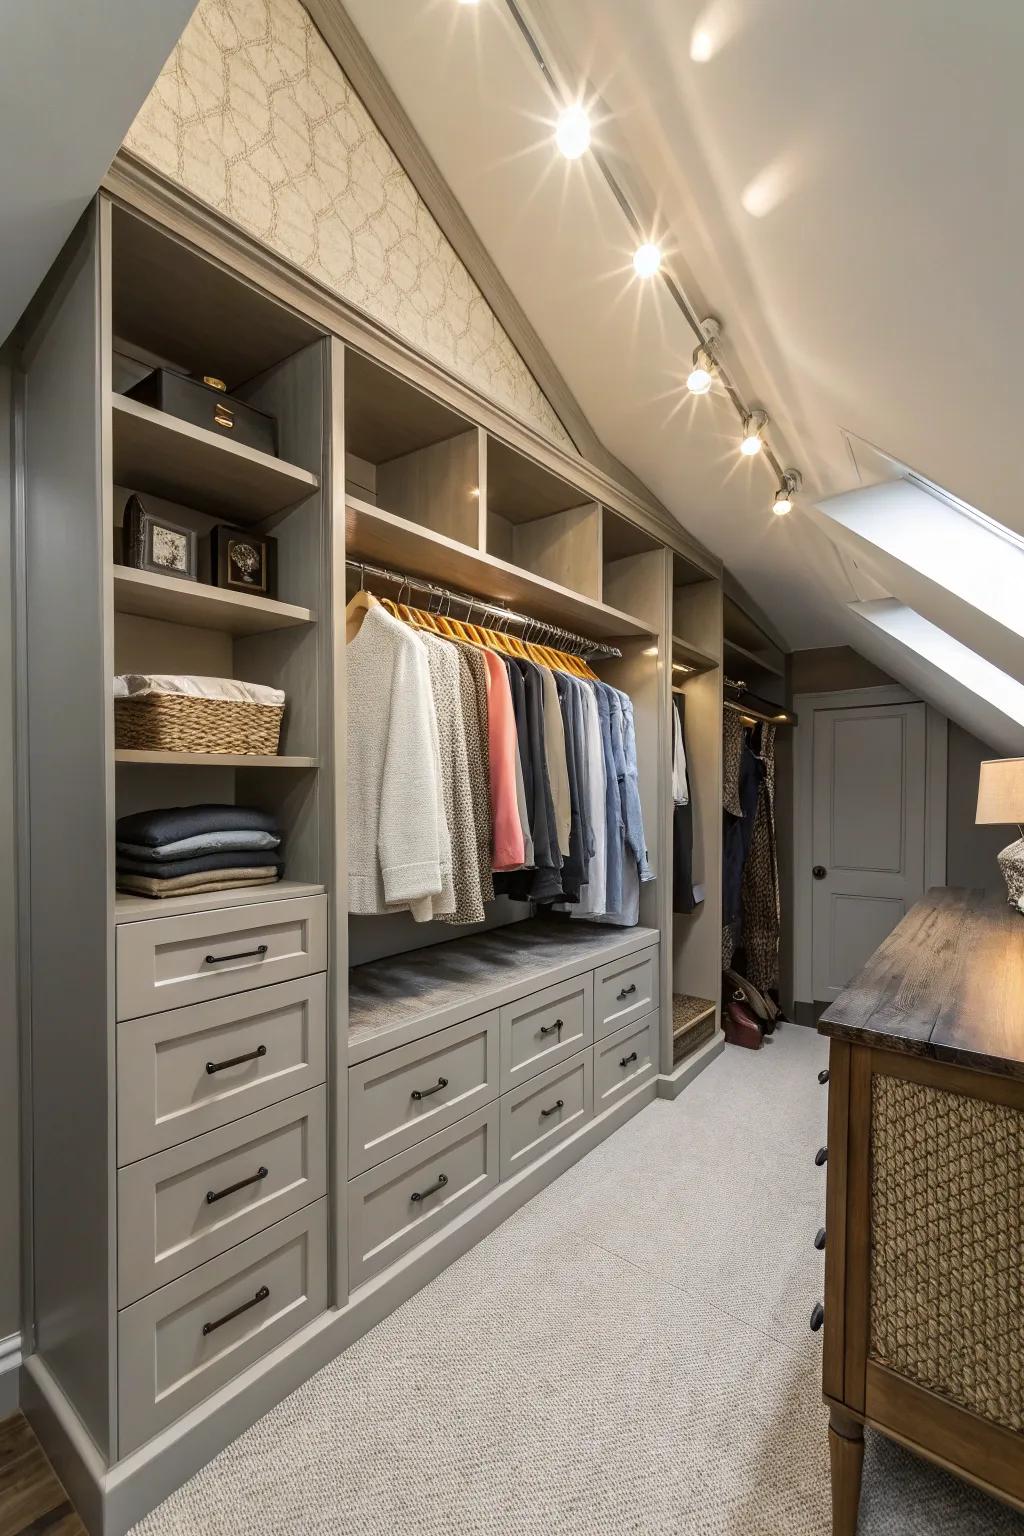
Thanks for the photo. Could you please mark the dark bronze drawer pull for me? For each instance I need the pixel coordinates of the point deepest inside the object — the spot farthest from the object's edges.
(627, 1059)
(819, 1239)
(241, 954)
(421, 1194)
(817, 1317)
(235, 1061)
(558, 1104)
(261, 1295)
(627, 990)
(552, 1029)
(424, 1093)
(823, 1076)
(213, 1195)
(821, 1157)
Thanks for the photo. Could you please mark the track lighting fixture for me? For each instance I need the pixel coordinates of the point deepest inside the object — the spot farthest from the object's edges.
(791, 482)
(572, 131)
(647, 259)
(753, 426)
(704, 365)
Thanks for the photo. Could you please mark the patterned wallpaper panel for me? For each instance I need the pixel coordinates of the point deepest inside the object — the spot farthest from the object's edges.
(253, 116)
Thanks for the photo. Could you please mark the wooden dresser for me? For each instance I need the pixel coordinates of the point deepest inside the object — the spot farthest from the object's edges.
(924, 1238)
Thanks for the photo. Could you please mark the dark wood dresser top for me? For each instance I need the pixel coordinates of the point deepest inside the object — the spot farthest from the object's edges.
(948, 983)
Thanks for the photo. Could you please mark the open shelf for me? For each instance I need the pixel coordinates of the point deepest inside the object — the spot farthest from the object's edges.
(382, 538)
(150, 596)
(214, 759)
(738, 656)
(691, 657)
(172, 458)
(134, 909)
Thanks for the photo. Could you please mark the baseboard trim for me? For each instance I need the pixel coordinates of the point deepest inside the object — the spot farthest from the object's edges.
(671, 1084)
(110, 1501)
(10, 1363)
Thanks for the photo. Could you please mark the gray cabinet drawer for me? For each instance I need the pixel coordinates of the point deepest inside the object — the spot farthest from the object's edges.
(398, 1099)
(548, 1109)
(546, 1028)
(262, 1046)
(168, 962)
(623, 1060)
(260, 1169)
(402, 1202)
(250, 1299)
(625, 990)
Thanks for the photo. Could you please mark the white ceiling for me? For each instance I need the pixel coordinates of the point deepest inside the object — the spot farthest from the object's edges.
(72, 77)
(874, 289)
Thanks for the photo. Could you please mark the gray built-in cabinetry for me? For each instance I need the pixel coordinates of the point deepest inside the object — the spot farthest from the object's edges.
(254, 1126)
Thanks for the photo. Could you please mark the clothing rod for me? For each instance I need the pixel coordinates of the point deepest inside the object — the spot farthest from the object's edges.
(508, 615)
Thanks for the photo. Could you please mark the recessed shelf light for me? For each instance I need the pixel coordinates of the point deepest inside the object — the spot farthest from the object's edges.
(572, 131)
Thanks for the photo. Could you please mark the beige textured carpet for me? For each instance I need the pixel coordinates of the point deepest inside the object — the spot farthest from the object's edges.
(628, 1354)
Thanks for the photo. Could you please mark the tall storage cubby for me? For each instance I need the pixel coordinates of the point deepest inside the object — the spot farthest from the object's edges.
(257, 1125)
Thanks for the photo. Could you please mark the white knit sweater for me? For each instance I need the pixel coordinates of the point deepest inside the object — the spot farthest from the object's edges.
(395, 842)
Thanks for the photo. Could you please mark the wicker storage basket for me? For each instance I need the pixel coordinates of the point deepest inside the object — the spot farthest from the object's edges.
(168, 722)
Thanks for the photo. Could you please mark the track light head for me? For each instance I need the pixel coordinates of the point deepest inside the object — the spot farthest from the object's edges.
(647, 259)
(791, 483)
(753, 427)
(572, 131)
(704, 365)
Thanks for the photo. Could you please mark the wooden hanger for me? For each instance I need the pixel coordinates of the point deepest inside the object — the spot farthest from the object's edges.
(356, 610)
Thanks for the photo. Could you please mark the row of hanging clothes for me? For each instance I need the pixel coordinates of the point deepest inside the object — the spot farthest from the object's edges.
(481, 764)
(751, 894)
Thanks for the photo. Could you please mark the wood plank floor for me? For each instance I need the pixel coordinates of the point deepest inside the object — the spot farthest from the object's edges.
(32, 1501)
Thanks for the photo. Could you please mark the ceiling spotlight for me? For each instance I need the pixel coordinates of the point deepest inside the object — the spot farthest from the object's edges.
(647, 259)
(753, 426)
(791, 482)
(704, 365)
(572, 131)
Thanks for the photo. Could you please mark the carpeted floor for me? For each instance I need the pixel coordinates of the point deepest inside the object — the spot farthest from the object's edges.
(628, 1354)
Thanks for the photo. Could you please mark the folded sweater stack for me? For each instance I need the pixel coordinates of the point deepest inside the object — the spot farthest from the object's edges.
(189, 849)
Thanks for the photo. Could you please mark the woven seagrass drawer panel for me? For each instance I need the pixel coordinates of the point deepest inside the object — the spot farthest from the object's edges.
(947, 1245)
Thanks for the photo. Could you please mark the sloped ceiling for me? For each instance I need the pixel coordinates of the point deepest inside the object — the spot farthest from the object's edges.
(834, 182)
(72, 77)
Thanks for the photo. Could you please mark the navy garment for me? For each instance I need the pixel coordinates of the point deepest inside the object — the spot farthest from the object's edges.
(737, 832)
(543, 882)
(236, 858)
(574, 863)
(152, 828)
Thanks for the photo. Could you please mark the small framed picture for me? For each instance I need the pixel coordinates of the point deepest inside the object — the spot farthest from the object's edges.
(152, 543)
(243, 561)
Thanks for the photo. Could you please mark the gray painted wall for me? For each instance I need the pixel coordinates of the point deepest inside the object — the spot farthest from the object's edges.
(9, 1181)
(970, 850)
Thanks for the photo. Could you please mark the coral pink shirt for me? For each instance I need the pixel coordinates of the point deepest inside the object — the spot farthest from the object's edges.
(508, 851)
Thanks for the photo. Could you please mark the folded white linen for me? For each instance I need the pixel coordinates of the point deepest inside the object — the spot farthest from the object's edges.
(139, 685)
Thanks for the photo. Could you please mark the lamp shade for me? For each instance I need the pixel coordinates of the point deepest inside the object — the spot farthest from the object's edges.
(1001, 792)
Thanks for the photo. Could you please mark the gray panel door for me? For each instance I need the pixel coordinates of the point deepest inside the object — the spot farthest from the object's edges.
(868, 845)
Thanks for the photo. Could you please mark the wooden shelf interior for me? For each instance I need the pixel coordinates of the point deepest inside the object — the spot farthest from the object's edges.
(407, 452)
(381, 538)
(748, 647)
(172, 306)
(199, 605)
(539, 521)
(129, 908)
(688, 661)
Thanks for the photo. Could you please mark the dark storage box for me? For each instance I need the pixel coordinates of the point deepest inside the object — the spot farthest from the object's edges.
(204, 406)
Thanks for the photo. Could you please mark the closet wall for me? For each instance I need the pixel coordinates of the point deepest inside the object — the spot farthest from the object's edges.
(10, 1236)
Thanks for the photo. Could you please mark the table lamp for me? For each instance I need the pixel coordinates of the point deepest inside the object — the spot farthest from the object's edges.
(1001, 802)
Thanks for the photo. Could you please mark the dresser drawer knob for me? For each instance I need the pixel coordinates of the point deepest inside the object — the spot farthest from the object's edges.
(821, 1157)
(627, 990)
(817, 1317)
(553, 1029)
(819, 1239)
(823, 1076)
(261, 1295)
(421, 1194)
(627, 1059)
(240, 954)
(213, 1195)
(424, 1093)
(235, 1061)
(556, 1106)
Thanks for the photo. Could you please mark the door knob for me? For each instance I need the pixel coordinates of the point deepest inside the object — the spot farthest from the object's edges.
(819, 871)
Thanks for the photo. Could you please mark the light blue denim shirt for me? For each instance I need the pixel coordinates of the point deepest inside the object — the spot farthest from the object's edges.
(632, 810)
